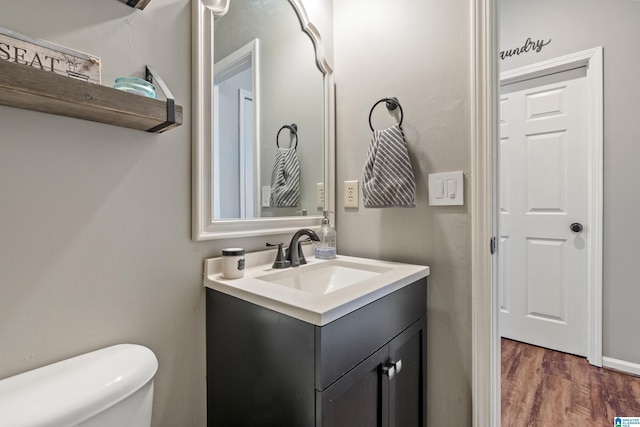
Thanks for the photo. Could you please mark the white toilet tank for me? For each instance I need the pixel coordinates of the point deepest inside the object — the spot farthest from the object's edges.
(105, 388)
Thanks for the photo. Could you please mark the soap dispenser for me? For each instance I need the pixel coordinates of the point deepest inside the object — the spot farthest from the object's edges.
(326, 249)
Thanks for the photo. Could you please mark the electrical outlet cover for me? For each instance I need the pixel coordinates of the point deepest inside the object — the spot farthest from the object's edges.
(320, 195)
(351, 194)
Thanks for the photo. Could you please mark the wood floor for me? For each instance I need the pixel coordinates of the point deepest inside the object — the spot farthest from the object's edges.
(544, 388)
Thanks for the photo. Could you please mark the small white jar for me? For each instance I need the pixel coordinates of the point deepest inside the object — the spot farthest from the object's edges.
(233, 263)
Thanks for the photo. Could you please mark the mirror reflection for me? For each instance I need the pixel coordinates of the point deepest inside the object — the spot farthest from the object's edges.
(268, 151)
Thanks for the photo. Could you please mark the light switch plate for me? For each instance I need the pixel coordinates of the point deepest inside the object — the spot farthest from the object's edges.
(266, 196)
(446, 189)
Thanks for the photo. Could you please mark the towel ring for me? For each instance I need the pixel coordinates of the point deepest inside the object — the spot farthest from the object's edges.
(392, 104)
(293, 129)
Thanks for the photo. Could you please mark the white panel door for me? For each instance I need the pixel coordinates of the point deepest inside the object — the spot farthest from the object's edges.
(543, 191)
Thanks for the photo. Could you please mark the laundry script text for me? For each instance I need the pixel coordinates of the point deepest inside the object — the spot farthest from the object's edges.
(528, 46)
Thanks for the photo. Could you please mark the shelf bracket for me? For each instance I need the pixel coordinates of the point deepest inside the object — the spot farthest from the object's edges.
(138, 4)
(149, 75)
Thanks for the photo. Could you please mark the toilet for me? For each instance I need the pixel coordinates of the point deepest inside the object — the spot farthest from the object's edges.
(105, 388)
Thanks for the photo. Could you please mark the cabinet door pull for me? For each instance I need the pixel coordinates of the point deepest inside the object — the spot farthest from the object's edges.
(389, 371)
(398, 366)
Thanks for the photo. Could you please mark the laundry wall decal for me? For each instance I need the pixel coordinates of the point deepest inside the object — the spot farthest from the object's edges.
(528, 46)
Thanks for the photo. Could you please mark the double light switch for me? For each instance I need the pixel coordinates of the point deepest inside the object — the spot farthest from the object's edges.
(446, 189)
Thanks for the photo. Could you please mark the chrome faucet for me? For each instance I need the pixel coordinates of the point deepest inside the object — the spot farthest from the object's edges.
(294, 252)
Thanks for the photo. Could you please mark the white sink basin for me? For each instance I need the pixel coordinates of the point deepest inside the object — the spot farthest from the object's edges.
(318, 292)
(321, 279)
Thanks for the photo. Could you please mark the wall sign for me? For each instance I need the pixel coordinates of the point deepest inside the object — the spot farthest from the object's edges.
(26, 50)
(528, 46)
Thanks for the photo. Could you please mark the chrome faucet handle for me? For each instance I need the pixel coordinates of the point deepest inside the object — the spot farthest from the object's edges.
(281, 261)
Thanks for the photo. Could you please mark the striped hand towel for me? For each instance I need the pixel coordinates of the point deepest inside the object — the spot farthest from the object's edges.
(388, 179)
(285, 179)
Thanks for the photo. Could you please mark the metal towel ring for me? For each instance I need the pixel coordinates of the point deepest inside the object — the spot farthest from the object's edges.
(292, 129)
(392, 104)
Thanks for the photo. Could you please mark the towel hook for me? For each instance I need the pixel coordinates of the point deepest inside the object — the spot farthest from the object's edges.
(392, 104)
(293, 129)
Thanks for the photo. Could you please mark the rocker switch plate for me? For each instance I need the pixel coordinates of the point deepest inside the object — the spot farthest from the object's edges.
(266, 196)
(446, 189)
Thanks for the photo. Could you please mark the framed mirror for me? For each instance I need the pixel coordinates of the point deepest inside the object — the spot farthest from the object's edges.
(235, 183)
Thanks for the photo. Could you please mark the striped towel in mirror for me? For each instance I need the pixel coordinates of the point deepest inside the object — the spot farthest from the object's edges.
(285, 179)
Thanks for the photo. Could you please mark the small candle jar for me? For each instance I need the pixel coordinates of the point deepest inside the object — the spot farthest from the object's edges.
(137, 86)
(232, 263)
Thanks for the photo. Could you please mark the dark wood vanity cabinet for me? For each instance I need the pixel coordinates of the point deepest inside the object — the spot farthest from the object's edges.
(364, 369)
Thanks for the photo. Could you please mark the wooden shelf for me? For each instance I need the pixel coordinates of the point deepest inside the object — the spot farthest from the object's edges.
(34, 89)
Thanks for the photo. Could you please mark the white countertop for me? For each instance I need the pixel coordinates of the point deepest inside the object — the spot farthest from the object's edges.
(312, 308)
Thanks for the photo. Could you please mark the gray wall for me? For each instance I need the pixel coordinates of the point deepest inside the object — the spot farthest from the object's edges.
(574, 25)
(95, 220)
(418, 51)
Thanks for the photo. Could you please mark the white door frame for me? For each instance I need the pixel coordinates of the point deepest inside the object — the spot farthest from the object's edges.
(485, 359)
(249, 154)
(484, 86)
(592, 60)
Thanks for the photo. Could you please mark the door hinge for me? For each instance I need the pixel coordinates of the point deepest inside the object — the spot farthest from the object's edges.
(492, 245)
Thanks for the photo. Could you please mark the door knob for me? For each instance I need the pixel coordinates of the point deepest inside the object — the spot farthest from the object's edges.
(576, 227)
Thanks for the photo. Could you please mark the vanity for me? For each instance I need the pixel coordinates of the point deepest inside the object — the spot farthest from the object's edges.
(331, 343)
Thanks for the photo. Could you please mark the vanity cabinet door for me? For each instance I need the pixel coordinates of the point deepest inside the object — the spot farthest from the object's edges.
(386, 390)
(260, 366)
(407, 391)
(356, 399)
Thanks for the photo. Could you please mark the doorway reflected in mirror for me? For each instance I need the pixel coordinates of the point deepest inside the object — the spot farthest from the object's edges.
(265, 76)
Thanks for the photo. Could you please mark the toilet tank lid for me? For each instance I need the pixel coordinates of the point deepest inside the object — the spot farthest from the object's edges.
(75, 389)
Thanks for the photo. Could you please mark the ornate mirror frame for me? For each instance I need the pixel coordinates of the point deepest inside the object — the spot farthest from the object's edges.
(203, 226)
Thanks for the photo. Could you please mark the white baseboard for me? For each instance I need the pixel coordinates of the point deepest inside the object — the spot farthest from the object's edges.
(621, 365)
